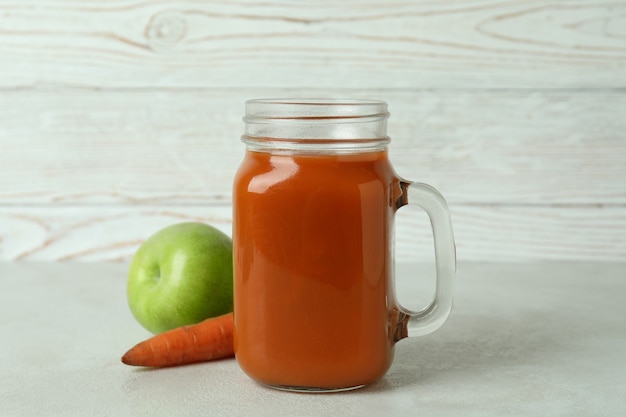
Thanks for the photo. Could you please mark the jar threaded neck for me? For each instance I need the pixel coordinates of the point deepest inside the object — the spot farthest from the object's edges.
(316, 125)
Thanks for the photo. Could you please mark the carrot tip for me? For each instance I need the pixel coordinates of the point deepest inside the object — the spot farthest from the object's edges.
(126, 360)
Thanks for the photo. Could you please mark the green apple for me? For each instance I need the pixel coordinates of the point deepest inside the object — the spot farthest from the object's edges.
(181, 275)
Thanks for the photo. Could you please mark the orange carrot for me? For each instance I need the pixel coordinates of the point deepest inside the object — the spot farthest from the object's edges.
(207, 340)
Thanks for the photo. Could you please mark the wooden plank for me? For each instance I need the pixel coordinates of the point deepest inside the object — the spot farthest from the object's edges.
(92, 233)
(482, 233)
(357, 43)
(517, 233)
(182, 147)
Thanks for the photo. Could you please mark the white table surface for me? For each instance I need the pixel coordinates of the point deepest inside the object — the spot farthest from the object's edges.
(545, 339)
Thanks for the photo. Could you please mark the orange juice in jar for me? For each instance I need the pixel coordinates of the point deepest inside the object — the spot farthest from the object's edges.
(313, 208)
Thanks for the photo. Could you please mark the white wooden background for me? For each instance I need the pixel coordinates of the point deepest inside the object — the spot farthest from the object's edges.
(119, 117)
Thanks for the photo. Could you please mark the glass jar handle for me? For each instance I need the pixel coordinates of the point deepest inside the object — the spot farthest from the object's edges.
(429, 319)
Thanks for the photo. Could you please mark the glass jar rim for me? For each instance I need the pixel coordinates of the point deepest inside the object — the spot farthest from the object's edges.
(313, 108)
